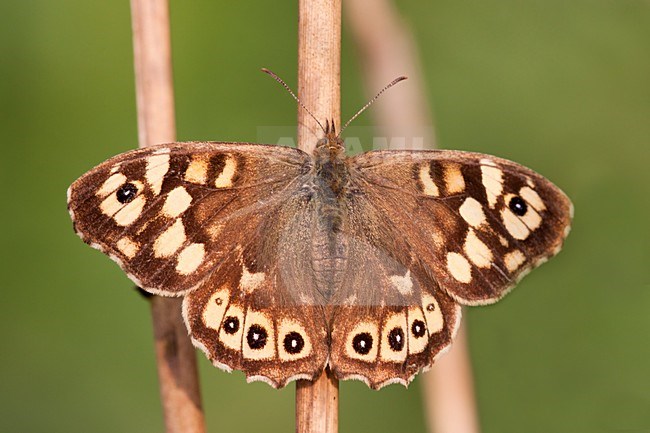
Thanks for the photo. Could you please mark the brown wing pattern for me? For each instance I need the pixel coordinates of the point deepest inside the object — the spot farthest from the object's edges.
(207, 220)
(243, 319)
(384, 344)
(477, 223)
(169, 213)
(281, 276)
(389, 319)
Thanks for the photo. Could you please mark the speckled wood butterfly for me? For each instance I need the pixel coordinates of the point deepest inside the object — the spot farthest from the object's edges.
(290, 262)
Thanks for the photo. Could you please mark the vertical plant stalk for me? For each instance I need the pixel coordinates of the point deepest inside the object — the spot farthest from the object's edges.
(319, 67)
(319, 88)
(387, 50)
(449, 400)
(175, 355)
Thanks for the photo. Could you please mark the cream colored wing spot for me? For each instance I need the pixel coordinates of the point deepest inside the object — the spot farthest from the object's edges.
(130, 212)
(190, 258)
(215, 309)
(197, 170)
(472, 212)
(224, 180)
(293, 341)
(514, 225)
(394, 340)
(454, 180)
(428, 185)
(459, 267)
(214, 230)
(362, 343)
(531, 220)
(437, 238)
(492, 179)
(111, 184)
(178, 201)
(403, 283)
(123, 213)
(418, 335)
(170, 241)
(513, 260)
(259, 339)
(128, 247)
(232, 325)
(477, 251)
(156, 169)
(250, 280)
(532, 198)
(503, 241)
(432, 314)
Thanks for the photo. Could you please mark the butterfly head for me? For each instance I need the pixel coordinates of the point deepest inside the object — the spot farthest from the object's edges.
(331, 145)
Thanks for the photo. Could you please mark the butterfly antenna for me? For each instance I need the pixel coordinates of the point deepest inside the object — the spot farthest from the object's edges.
(388, 86)
(288, 89)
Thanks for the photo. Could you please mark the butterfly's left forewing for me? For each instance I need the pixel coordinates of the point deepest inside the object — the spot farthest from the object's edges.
(474, 222)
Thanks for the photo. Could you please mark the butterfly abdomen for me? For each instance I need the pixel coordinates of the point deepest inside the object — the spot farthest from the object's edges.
(328, 250)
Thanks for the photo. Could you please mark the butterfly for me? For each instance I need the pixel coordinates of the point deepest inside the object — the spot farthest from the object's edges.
(291, 262)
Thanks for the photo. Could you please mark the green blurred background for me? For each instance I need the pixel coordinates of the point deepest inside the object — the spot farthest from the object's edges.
(560, 86)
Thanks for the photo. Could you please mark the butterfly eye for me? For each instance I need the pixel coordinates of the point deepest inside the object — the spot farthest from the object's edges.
(518, 206)
(126, 193)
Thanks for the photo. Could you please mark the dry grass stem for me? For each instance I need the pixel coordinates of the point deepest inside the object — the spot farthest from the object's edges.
(175, 355)
(319, 65)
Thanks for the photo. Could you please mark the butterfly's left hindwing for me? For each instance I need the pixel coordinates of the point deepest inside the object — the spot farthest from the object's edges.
(384, 343)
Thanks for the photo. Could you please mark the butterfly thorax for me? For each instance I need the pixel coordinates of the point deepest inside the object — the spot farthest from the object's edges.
(331, 177)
